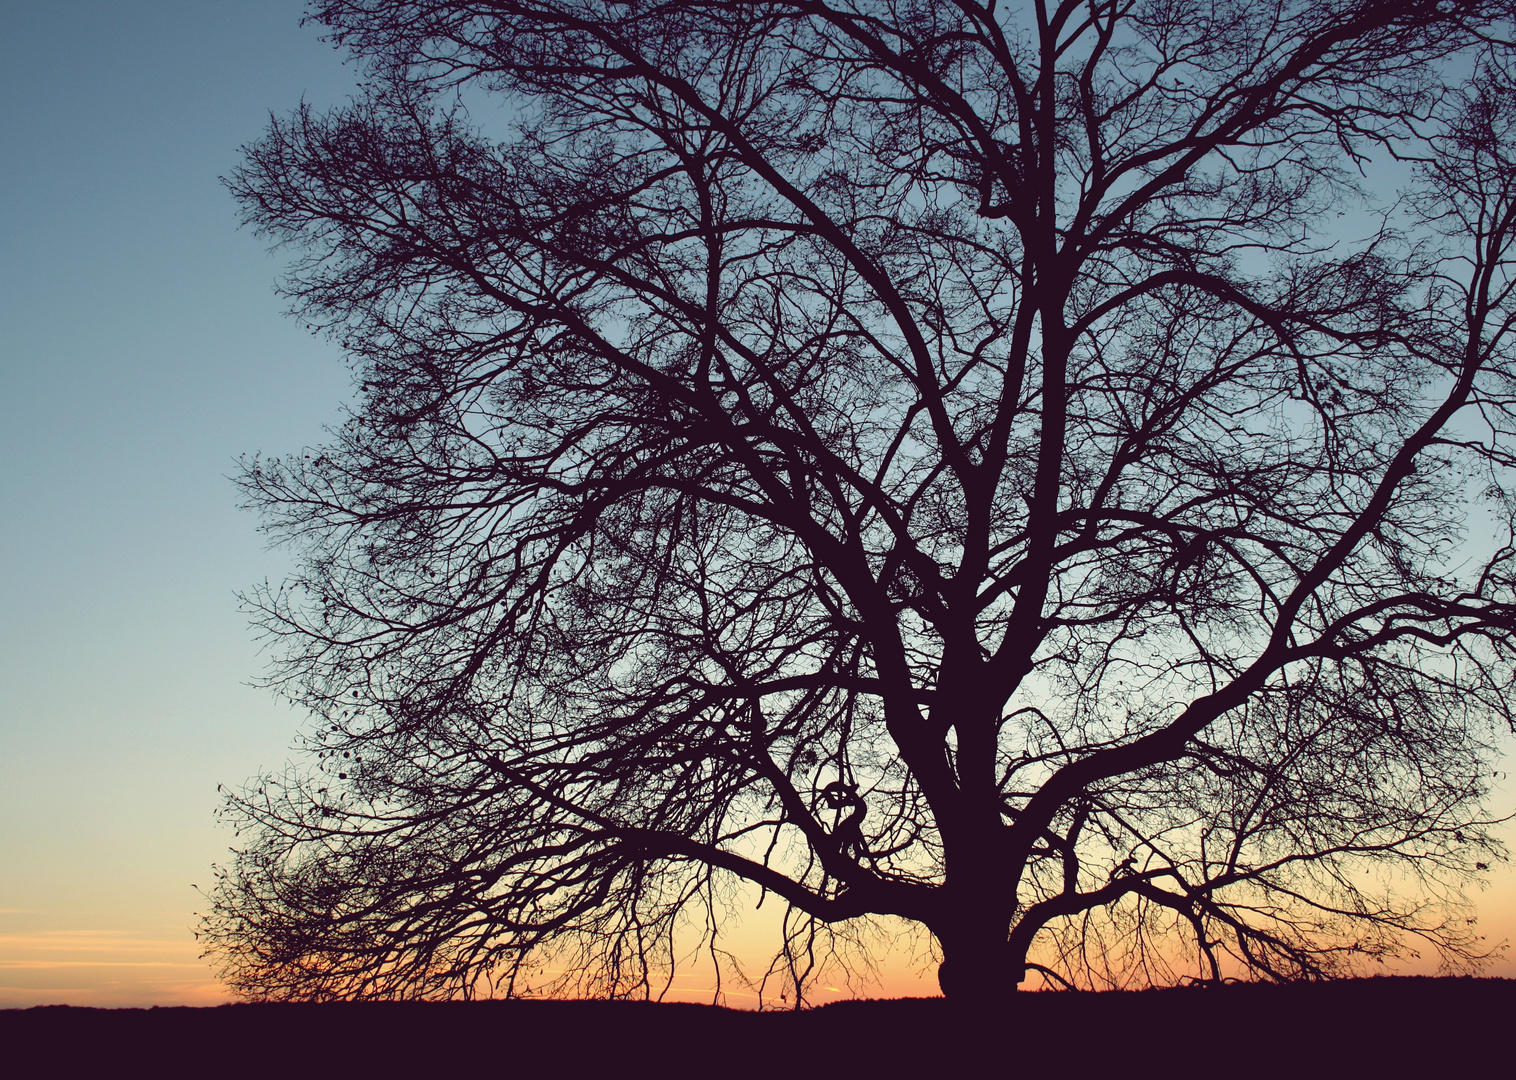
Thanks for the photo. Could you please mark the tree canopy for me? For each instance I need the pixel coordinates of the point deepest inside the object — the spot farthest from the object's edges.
(1041, 472)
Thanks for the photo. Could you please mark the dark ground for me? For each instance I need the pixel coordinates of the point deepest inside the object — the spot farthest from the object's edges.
(1362, 1028)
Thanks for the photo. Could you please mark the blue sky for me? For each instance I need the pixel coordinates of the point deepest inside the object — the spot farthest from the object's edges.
(142, 350)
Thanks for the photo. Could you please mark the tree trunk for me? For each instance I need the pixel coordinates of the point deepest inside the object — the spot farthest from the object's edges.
(978, 969)
(980, 895)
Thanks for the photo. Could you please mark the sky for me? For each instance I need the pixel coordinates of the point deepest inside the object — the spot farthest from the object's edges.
(142, 350)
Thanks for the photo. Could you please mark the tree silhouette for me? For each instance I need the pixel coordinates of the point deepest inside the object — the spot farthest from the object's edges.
(1039, 473)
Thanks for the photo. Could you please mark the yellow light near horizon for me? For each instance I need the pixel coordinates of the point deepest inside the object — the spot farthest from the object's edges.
(142, 957)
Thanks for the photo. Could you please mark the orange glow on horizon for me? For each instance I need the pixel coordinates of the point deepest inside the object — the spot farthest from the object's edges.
(137, 959)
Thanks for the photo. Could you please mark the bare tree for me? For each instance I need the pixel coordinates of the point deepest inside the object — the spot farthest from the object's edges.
(1037, 472)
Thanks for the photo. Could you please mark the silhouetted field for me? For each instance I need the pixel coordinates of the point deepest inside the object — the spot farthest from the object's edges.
(1381, 1027)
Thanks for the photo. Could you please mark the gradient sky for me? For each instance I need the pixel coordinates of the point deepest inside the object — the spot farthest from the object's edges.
(141, 350)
